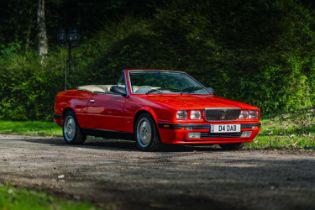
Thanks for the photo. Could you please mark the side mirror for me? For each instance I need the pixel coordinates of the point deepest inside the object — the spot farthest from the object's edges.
(210, 90)
(118, 90)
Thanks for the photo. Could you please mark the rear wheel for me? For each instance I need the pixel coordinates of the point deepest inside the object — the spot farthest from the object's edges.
(146, 133)
(72, 133)
(235, 146)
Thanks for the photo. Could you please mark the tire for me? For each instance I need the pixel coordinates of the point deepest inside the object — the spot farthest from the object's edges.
(235, 146)
(146, 134)
(72, 133)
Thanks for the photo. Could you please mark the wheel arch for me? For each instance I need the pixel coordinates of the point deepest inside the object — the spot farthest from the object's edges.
(148, 111)
(67, 109)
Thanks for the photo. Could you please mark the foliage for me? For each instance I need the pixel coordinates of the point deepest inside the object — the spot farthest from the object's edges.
(27, 88)
(247, 49)
(32, 128)
(260, 52)
(295, 130)
(17, 199)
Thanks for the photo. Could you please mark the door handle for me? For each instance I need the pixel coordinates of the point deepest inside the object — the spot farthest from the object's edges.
(92, 101)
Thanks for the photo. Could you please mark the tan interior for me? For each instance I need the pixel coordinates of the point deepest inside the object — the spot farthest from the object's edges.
(96, 88)
(138, 89)
(106, 88)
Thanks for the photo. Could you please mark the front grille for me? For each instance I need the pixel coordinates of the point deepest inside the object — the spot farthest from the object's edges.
(222, 114)
(220, 135)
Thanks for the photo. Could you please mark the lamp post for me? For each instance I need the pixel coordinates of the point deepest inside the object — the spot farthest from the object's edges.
(69, 37)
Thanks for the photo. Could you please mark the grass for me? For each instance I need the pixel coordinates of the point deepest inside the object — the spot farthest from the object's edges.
(32, 128)
(19, 199)
(294, 130)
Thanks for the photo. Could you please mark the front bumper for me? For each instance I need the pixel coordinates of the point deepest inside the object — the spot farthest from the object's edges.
(178, 134)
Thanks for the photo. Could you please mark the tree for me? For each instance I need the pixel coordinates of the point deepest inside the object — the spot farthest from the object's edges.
(42, 32)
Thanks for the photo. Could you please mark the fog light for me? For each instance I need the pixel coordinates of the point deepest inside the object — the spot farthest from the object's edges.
(194, 135)
(246, 134)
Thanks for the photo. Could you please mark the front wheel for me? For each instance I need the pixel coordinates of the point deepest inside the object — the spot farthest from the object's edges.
(235, 146)
(71, 131)
(146, 133)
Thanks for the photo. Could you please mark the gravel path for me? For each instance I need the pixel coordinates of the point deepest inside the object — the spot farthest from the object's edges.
(116, 175)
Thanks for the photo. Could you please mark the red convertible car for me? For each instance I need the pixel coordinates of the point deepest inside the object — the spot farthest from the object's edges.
(155, 107)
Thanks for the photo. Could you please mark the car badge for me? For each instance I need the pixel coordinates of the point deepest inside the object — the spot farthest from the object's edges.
(223, 115)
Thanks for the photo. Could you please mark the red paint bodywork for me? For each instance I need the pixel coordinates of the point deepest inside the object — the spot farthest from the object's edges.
(118, 113)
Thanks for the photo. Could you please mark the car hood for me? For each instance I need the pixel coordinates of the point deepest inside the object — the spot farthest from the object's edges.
(194, 101)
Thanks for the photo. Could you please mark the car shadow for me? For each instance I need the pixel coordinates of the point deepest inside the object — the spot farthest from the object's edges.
(90, 143)
(117, 144)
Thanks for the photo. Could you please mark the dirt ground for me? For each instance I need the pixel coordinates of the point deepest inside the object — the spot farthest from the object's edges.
(115, 175)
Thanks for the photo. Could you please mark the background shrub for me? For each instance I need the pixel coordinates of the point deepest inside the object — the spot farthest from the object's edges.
(260, 52)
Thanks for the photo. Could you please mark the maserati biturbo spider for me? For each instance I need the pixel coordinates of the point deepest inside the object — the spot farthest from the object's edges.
(155, 107)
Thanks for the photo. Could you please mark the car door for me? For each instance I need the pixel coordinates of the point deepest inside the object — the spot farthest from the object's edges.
(105, 111)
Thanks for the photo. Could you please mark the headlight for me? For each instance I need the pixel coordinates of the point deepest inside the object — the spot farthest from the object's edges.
(181, 115)
(195, 115)
(252, 114)
(243, 114)
(248, 114)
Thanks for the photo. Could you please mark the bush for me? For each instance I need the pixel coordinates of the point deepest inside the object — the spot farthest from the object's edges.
(27, 88)
(260, 52)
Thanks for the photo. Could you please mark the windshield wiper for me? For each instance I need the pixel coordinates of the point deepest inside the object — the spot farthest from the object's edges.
(191, 89)
(161, 89)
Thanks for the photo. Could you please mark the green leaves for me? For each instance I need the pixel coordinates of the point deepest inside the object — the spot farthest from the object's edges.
(27, 88)
(257, 51)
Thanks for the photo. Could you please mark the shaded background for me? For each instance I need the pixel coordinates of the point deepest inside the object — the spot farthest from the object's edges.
(258, 51)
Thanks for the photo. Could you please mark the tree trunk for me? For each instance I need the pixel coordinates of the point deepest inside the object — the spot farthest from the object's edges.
(42, 33)
(27, 41)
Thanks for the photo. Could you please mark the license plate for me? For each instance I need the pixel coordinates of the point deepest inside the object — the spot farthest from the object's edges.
(226, 128)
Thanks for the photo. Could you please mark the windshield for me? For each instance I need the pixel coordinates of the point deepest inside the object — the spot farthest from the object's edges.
(164, 82)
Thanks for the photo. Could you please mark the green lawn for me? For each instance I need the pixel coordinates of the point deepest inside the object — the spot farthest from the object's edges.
(290, 131)
(20, 199)
(35, 128)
